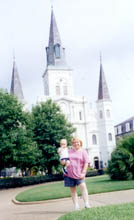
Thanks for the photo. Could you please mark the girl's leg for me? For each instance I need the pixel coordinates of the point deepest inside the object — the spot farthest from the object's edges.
(84, 191)
(74, 197)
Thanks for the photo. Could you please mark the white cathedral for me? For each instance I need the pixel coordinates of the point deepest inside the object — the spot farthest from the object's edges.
(94, 126)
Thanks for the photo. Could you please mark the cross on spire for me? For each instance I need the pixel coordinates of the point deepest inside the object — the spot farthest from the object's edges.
(13, 55)
(100, 57)
(51, 4)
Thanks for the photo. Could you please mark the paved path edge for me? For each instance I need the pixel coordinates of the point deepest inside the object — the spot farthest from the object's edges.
(39, 202)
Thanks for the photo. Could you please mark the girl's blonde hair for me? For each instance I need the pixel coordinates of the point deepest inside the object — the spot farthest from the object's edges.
(77, 138)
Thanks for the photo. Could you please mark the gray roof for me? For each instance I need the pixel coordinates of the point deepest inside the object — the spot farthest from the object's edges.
(124, 122)
(16, 88)
(54, 40)
(103, 93)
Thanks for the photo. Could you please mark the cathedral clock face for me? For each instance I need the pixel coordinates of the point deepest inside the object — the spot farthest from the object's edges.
(63, 80)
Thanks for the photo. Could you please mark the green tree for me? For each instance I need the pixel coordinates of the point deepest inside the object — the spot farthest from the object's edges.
(16, 145)
(50, 126)
(121, 165)
(27, 154)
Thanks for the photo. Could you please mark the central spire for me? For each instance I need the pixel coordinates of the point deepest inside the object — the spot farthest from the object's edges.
(54, 36)
(55, 51)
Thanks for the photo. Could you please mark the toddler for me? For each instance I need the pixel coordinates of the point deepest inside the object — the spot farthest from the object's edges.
(63, 153)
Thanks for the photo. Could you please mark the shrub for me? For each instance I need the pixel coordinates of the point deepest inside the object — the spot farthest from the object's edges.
(121, 165)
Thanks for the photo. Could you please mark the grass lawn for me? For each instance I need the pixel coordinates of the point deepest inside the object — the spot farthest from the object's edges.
(113, 212)
(57, 190)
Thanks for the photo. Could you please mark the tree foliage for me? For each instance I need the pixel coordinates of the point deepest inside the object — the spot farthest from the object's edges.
(30, 140)
(121, 165)
(16, 145)
(50, 126)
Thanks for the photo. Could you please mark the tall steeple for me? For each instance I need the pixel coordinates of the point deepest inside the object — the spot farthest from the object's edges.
(105, 123)
(16, 88)
(103, 93)
(55, 52)
(57, 77)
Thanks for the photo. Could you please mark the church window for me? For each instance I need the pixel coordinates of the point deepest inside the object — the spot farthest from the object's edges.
(108, 113)
(101, 114)
(80, 116)
(65, 92)
(73, 112)
(110, 137)
(57, 51)
(57, 90)
(94, 139)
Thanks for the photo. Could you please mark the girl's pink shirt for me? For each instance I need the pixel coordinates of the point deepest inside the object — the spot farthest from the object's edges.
(77, 162)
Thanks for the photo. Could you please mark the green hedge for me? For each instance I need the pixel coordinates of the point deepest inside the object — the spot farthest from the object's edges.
(12, 182)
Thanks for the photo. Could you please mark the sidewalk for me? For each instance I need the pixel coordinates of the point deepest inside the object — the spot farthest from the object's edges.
(52, 210)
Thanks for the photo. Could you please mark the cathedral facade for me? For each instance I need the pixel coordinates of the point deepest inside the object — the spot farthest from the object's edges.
(94, 126)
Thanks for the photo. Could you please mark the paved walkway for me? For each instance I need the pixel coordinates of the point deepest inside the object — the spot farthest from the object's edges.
(54, 209)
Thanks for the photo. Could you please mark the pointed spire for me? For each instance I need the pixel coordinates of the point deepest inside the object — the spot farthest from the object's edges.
(54, 36)
(16, 88)
(103, 93)
(55, 51)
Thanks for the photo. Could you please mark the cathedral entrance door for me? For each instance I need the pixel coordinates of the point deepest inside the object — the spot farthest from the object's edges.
(96, 163)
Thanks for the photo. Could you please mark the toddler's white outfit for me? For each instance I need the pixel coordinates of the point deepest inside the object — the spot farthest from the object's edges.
(64, 156)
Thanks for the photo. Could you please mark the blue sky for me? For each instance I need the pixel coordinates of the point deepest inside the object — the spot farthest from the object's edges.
(86, 28)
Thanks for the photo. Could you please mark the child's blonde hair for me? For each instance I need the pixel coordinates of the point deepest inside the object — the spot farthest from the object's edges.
(63, 140)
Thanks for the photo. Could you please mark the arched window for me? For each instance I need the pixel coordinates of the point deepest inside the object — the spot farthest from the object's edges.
(73, 113)
(65, 92)
(101, 114)
(57, 90)
(108, 113)
(80, 115)
(57, 51)
(94, 139)
(109, 136)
